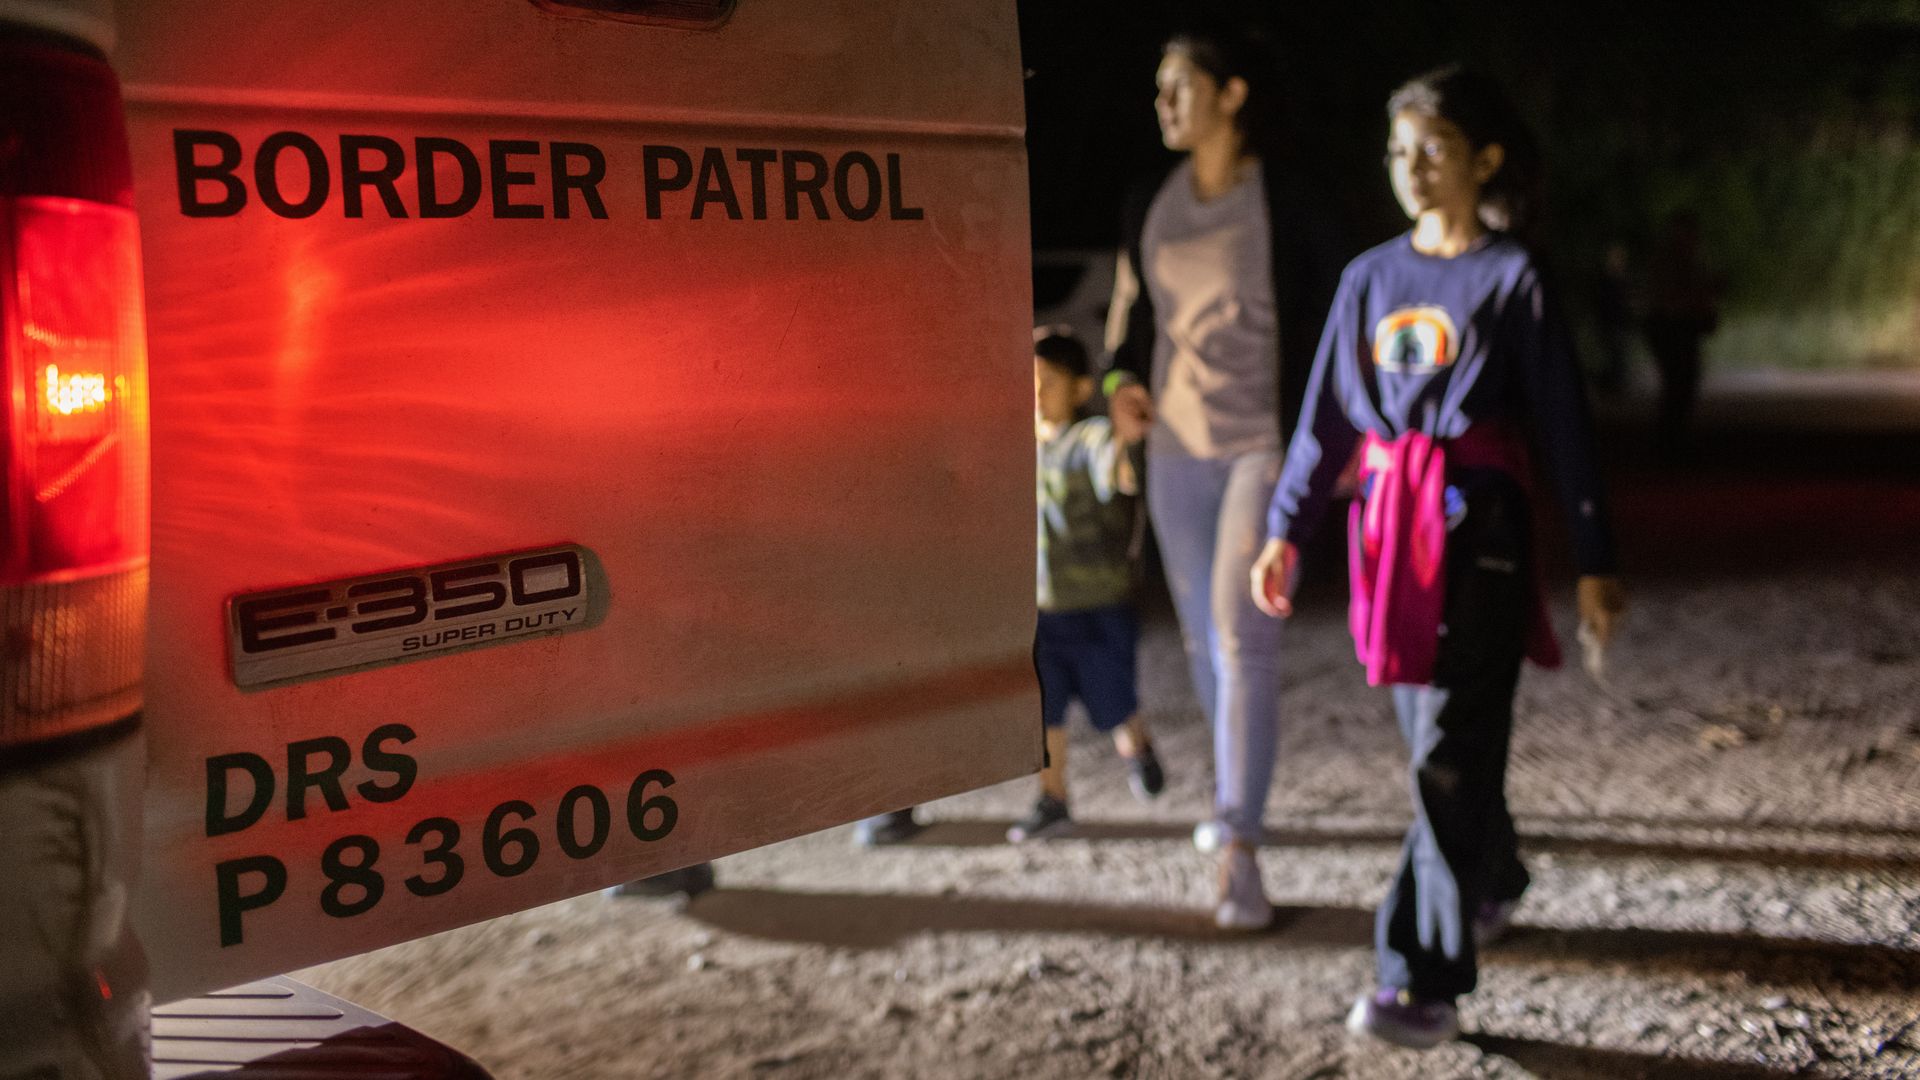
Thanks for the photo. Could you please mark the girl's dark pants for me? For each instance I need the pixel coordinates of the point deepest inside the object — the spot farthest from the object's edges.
(1461, 849)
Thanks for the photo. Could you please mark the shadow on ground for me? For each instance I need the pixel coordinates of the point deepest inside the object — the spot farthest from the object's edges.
(881, 920)
(1597, 1063)
(967, 834)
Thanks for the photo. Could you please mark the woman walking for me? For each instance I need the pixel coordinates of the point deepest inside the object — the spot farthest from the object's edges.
(1219, 295)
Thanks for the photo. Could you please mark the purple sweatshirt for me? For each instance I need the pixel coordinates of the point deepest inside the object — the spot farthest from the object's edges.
(1421, 343)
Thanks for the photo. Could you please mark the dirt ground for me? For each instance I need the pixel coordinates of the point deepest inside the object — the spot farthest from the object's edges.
(1725, 842)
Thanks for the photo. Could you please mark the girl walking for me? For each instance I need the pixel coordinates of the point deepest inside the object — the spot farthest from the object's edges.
(1445, 366)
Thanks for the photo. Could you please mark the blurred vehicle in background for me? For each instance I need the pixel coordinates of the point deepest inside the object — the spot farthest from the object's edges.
(1073, 287)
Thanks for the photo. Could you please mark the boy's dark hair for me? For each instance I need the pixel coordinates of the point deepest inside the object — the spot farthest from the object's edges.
(1057, 346)
(1473, 102)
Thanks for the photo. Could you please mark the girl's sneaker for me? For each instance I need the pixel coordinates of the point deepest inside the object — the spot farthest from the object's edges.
(1396, 1016)
(1243, 901)
(1048, 817)
(1145, 776)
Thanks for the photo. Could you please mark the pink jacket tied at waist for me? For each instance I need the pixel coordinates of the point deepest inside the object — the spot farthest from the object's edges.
(1397, 553)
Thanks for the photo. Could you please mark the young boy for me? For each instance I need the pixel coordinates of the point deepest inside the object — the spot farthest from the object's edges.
(1083, 646)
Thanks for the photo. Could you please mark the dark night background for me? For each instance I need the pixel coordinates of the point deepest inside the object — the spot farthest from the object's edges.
(1792, 129)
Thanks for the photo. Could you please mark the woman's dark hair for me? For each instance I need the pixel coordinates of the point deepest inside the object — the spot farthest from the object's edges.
(1225, 52)
(1511, 200)
(1058, 347)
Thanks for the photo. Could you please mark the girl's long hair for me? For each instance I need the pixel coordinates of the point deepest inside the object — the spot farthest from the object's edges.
(1511, 201)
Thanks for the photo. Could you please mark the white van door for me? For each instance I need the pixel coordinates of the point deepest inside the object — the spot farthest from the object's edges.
(588, 438)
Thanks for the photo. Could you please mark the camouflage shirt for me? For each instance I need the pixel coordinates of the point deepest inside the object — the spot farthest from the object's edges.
(1086, 522)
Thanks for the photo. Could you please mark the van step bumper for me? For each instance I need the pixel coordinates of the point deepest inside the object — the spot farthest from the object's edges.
(277, 1028)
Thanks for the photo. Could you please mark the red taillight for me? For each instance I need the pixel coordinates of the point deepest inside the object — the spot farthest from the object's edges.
(75, 360)
(73, 416)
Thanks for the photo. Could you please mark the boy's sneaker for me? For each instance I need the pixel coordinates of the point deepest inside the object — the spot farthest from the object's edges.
(1144, 774)
(1491, 921)
(1396, 1016)
(688, 881)
(1243, 900)
(881, 830)
(1048, 817)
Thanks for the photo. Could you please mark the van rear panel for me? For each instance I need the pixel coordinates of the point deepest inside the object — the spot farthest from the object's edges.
(580, 449)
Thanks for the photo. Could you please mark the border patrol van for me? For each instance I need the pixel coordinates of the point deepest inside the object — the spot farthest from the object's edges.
(587, 437)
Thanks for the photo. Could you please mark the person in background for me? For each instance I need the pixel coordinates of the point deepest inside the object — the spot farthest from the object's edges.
(1219, 293)
(1445, 364)
(1084, 640)
(1614, 321)
(1683, 307)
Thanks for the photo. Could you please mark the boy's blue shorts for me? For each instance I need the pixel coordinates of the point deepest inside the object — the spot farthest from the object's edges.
(1087, 655)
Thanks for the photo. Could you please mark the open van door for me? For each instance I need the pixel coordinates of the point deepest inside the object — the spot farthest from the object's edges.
(589, 437)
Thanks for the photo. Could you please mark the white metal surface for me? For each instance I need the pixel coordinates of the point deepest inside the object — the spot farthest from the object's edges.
(798, 446)
(89, 20)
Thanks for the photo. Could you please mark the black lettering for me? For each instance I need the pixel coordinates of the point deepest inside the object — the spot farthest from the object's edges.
(506, 179)
(266, 174)
(443, 855)
(300, 777)
(354, 176)
(651, 158)
(810, 185)
(424, 151)
(413, 603)
(638, 808)
(567, 827)
(254, 621)
(518, 569)
(342, 875)
(192, 173)
(586, 183)
(759, 159)
(715, 185)
(445, 588)
(494, 840)
(232, 903)
(843, 194)
(219, 822)
(897, 209)
(403, 767)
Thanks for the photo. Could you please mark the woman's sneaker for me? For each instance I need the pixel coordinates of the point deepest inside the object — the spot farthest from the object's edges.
(1243, 900)
(1396, 1016)
(1144, 774)
(1209, 836)
(1048, 817)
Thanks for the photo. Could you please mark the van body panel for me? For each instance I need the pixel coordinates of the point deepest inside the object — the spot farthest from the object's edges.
(946, 64)
(790, 439)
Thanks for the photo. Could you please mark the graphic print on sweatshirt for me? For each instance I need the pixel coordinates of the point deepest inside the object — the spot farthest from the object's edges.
(1415, 340)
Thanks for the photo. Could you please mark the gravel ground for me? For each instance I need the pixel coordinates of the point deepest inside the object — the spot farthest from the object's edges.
(1725, 840)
